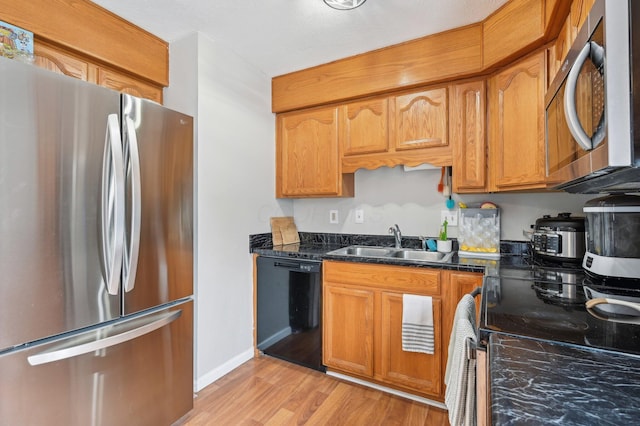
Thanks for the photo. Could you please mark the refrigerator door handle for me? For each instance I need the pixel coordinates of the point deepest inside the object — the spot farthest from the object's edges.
(112, 211)
(73, 349)
(132, 248)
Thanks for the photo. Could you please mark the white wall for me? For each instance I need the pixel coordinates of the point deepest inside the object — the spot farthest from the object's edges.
(235, 167)
(411, 199)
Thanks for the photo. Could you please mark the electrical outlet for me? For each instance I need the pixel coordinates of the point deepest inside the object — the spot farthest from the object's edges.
(451, 216)
(333, 216)
(359, 216)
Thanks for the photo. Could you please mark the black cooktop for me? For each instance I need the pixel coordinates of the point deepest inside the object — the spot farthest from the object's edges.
(547, 301)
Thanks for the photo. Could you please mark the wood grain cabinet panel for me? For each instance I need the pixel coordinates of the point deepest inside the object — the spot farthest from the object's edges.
(512, 30)
(94, 33)
(127, 84)
(62, 61)
(420, 119)
(467, 120)
(578, 15)
(444, 56)
(384, 277)
(362, 323)
(558, 50)
(516, 125)
(58, 61)
(364, 127)
(348, 329)
(572, 24)
(458, 284)
(415, 370)
(89, 43)
(462, 283)
(307, 155)
(415, 132)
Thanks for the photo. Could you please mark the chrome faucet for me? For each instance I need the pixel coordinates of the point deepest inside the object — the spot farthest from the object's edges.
(395, 230)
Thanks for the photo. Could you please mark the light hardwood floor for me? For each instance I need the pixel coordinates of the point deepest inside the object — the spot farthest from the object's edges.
(268, 391)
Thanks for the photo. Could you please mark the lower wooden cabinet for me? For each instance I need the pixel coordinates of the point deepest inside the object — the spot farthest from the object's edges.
(362, 325)
(348, 336)
(412, 370)
(362, 322)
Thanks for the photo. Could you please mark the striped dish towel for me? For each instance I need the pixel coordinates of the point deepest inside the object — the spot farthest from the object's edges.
(417, 324)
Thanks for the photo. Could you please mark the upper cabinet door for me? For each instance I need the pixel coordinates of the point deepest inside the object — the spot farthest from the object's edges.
(308, 153)
(129, 85)
(516, 125)
(64, 62)
(60, 62)
(364, 126)
(468, 136)
(420, 119)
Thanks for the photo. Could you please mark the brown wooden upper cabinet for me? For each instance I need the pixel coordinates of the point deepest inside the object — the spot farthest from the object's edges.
(518, 27)
(421, 119)
(491, 129)
(58, 61)
(516, 125)
(319, 149)
(364, 127)
(407, 128)
(467, 121)
(62, 61)
(307, 155)
(126, 83)
(74, 44)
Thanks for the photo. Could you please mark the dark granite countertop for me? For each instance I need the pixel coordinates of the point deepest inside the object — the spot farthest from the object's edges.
(315, 246)
(536, 382)
(550, 360)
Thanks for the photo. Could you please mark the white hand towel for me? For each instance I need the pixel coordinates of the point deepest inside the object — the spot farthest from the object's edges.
(459, 394)
(466, 309)
(417, 324)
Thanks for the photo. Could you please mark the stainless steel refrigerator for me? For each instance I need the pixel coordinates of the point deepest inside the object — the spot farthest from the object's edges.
(96, 254)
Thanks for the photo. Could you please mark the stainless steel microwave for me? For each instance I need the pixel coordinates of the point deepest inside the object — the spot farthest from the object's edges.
(593, 105)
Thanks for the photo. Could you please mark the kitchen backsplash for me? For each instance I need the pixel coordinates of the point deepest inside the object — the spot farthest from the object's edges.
(390, 195)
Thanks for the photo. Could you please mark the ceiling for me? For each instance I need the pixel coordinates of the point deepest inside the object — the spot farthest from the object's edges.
(281, 36)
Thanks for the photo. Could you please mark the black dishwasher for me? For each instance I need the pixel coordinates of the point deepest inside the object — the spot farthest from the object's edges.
(289, 310)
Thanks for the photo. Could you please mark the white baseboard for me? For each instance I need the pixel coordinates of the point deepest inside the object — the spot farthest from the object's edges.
(213, 375)
(388, 390)
(276, 337)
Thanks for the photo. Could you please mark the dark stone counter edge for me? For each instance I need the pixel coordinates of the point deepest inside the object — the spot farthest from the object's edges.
(315, 246)
(585, 385)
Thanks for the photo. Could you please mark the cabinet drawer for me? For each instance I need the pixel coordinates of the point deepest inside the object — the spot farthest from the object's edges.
(389, 277)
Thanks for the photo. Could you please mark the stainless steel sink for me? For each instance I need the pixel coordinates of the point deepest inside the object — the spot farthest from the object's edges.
(428, 256)
(364, 251)
(412, 255)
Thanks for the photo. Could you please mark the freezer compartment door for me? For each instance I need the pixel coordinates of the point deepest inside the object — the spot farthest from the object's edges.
(158, 147)
(53, 139)
(136, 371)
